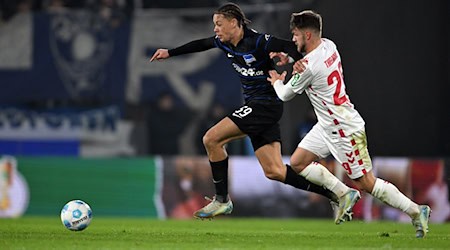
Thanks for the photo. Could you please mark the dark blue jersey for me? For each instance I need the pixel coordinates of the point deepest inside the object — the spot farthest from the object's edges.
(250, 59)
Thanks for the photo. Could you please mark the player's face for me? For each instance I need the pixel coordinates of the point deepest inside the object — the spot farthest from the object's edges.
(224, 28)
(299, 37)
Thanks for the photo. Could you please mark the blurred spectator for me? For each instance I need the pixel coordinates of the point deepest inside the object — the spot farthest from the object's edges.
(215, 114)
(11, 7)
(430, 186)
(186, 180)
(74, 4)
(113, 11)
(191, 198)
(24, 6)
(165, 125)
(54, 5)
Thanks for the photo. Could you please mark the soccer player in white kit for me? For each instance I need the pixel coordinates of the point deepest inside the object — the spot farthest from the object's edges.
(340, 128)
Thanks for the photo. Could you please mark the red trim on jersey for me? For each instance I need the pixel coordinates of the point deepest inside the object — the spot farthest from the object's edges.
(336, 122)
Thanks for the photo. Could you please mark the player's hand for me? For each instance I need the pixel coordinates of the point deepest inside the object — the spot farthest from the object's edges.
(160, 54)
(299, 66)
(274, 76)
(283, 57)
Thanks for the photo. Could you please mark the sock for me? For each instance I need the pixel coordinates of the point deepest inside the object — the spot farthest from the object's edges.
(298, 181)
(389, 194)
(220, 178)
(318, 174)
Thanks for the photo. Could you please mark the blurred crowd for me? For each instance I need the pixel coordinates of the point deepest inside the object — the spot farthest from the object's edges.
(108, 8)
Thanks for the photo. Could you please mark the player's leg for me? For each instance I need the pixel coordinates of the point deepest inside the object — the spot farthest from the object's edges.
(390, 195)
(360, 172)
(312, 148)
(313, 171)
(214, 140)
(269, 157)
(304, 162)
(318, 144)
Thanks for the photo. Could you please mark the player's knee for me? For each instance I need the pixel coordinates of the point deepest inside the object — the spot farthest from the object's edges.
(298, 165)
(209, 140)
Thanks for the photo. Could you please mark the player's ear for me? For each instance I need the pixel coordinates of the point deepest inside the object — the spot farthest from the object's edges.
(234, 22)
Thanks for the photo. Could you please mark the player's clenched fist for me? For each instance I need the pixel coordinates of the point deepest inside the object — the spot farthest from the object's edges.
(160, 54)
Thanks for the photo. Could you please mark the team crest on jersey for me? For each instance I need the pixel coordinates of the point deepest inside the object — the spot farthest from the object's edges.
(249, 58)
(81, 43)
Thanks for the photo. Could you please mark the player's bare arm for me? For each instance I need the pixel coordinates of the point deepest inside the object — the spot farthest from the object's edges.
(160, 54)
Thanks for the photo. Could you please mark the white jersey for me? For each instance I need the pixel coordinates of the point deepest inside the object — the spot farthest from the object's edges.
(323, 82)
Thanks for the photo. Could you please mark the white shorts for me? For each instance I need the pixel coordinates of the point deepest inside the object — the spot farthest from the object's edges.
(350, 150)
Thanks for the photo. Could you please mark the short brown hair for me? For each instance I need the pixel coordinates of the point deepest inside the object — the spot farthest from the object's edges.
(232, 10)
(306, 19)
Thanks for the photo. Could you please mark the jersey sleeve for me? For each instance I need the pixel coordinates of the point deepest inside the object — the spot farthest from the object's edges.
(193, 46)
(283, 91)
(280, 45)
(300, 81)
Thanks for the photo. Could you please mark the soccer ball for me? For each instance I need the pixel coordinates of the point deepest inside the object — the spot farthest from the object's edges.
(76, 215)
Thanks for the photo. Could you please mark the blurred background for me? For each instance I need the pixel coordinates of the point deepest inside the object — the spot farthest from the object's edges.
(78, 94)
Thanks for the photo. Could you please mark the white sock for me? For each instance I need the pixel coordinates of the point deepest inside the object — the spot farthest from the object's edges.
(389, 194)
(318, 174)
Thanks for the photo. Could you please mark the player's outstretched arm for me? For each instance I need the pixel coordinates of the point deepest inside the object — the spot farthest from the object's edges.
(190, 47)
(160, 54)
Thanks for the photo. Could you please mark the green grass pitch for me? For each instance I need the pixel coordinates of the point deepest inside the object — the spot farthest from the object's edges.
(220, 233)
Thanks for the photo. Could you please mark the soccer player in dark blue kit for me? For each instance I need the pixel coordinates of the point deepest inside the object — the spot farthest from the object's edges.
(249, 53)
